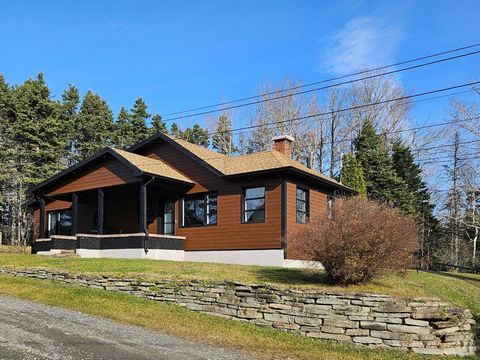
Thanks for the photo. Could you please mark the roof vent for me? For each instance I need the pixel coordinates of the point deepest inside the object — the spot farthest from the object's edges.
(283, 144)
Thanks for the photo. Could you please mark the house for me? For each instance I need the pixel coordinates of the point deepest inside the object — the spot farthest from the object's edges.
(170, 199)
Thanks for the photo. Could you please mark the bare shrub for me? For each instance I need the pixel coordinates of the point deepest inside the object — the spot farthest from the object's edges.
(361, 241)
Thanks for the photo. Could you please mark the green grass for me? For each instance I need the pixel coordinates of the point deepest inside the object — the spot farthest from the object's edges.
(457, 288)
(262, 343)
(151, 270)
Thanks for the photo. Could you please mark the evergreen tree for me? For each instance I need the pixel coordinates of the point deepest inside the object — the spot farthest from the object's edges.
(196, 135)
(94, 126)
(123, 136)
(68, 116)
(138, 120)
(222, 140)
(35, 130)
(158, 126)
(352, 175)
(405, 167)
(175, 131)
(381, 180)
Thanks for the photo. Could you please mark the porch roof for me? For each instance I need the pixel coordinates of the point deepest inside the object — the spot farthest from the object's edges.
(140, 166)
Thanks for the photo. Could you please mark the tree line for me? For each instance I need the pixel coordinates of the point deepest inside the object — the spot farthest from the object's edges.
(369, 148)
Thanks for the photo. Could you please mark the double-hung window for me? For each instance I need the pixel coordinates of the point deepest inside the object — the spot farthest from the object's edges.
(330, 203)
(303, 205)
(199, 209)
(253, 209)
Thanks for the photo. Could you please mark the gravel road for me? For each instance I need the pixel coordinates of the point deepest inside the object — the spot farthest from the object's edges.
(31, 331)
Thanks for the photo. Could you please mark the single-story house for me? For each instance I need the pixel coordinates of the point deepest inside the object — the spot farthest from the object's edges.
(169, 199)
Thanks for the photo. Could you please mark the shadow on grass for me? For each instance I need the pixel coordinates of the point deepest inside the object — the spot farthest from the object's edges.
(293, 276)
(472, 280)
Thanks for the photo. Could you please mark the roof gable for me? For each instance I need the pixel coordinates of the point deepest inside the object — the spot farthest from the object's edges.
(226, 166)
(137, 164)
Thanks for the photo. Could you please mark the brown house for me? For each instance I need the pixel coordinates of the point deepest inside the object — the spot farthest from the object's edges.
(170, 199)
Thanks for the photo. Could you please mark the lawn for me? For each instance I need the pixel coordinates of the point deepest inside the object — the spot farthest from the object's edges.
(457, 288)
(409, 285)
(261, 343)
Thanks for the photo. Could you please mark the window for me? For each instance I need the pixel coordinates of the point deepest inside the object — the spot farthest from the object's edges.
(59, 222)
(169, 218)
(303, 205)
(254, 205)
(330, 202)
(199, 210)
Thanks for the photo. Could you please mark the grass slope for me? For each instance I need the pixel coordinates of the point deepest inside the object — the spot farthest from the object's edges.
(457, 288)
(262, 343)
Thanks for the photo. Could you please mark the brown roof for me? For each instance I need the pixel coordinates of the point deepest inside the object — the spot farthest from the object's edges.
(152, 166)
(255, 162)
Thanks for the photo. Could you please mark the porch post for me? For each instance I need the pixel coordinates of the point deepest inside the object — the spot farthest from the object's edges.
(41, 231)
(143, 208)
(74, 213)
(100, 211)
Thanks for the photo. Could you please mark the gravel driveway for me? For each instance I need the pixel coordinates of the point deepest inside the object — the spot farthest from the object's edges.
(31, 331)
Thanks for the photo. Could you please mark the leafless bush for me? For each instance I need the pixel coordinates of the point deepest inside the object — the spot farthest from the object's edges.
(361, 241)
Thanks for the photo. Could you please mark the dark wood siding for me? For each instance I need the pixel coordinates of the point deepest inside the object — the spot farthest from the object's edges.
(229, 233)
(109, 172)
(49, 206)
(318, 205)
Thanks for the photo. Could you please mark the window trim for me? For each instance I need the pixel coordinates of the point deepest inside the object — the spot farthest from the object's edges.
(330, 200)
(57, 213)
(161, 216)
(307, 204)
(242, 213)
(206, 199)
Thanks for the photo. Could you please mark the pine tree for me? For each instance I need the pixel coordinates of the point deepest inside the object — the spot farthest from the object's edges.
(69, 108)
(94, 128)
(352, 175)
(381, 180)
(158, 125)
(35, 130)
(175, 131)
(405, 167)
(196, 135)
(123, 133)
(138, 120)
(222, 139)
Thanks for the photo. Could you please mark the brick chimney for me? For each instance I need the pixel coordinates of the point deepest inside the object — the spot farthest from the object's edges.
(283, 144)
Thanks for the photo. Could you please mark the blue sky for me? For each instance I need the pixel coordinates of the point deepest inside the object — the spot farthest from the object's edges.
(183, 54)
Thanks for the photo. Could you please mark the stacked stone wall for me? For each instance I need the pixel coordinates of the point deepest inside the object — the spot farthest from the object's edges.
(425, 326)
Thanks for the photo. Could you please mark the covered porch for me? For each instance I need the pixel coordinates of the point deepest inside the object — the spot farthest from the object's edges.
(114, 201)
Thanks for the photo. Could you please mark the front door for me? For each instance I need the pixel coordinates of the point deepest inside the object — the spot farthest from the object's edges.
(166, 217)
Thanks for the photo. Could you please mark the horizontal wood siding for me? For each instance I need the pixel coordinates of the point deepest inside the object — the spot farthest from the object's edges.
(49, 206)
(204, 179)
(318, 205)
(109, 172)
(229, 233)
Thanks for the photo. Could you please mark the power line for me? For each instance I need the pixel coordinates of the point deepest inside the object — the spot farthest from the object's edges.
(327, 80)
(445, 145)
(323, 87)
(356, 107)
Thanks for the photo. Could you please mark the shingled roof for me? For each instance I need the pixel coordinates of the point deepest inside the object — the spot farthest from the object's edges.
(230, 166)
(151, 166)
(140, 165)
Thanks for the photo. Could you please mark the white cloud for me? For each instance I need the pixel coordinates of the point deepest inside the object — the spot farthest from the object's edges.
(363, 42)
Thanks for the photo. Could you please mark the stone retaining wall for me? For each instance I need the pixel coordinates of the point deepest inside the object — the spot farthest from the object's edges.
(426, 326)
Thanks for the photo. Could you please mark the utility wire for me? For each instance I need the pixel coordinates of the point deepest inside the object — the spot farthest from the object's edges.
(326, 80)
(323, 87)
(356, 107)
